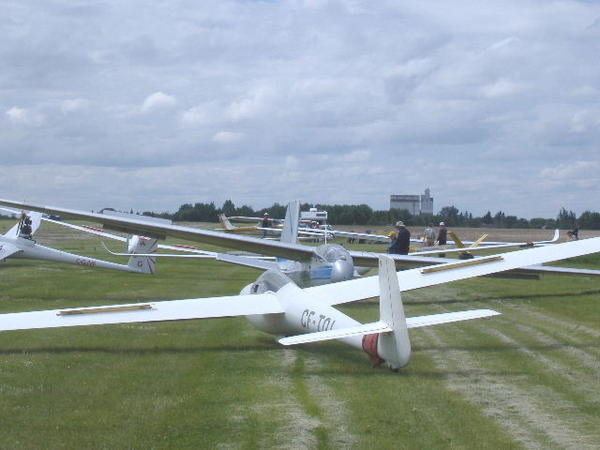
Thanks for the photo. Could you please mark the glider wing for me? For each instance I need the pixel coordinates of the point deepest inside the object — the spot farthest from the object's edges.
(141, 225)
(367, 287)
(202, 308)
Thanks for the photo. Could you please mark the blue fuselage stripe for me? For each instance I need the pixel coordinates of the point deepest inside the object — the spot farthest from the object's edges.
(321, 273)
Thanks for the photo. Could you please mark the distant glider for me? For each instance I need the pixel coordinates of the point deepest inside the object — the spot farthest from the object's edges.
(18, 242)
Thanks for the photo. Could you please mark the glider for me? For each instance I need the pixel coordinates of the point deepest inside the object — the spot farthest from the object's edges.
(228, 227)
(18, 242)
(276, 305)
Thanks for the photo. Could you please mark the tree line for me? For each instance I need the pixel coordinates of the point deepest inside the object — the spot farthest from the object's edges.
(364, 215)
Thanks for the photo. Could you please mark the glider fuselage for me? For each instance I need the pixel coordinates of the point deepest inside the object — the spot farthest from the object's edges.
(29, 249)
(302, 313)
(329, 263)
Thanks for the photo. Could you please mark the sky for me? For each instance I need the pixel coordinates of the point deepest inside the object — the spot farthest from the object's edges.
(148, 105)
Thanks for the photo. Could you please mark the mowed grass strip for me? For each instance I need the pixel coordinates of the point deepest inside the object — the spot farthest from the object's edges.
(222, 384)
(548, 394)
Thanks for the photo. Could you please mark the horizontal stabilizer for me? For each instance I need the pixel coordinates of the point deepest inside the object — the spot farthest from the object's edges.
(187, 248)
(11, 212)
(367, 328)
(438, 319)
(153, 255)
(102, 233)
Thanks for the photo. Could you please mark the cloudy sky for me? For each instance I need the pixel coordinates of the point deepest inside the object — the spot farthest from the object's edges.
(148, 105)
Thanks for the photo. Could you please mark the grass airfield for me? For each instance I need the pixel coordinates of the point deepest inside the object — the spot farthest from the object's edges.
(529, 378)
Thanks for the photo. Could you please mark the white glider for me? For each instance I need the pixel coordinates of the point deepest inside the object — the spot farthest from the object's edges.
(276, 305)
(17, 244)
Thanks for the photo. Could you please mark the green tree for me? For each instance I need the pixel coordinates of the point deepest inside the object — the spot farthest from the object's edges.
(449, 215)
(400, 214)
(487, 219)
(499, 219)
(589, 220)
(228, 208)
(538, 222)
(566, 219)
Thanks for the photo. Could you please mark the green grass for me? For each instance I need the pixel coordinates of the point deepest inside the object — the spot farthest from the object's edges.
(528, 378)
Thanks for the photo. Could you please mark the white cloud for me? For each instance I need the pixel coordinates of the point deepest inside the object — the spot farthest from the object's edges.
(158, 100)
(227, 137)
(502, 88)
(24, 116)
(573, 170)
(504, 44)
(74, 105)
(194, 116)
(357, 156)
(584, 121)
(251, 105)
(291, 162)
(203, 114)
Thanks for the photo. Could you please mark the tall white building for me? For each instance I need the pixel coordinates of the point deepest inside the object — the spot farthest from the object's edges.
(417, 205)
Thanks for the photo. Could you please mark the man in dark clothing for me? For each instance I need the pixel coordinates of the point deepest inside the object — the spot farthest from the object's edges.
(573, 234)
(442, 237)
(401, 244)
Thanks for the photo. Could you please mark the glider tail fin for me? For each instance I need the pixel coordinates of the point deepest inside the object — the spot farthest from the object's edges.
(393, 346)
(290, 225)
(384, 341)
(35, 221)
(142, 245)
(225, 223)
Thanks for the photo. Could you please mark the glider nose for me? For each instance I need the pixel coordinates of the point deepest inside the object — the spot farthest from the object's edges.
(342, 270)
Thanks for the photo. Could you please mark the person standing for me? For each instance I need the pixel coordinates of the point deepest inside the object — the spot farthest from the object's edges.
(442, 237)
(429, 236)
(265, 223)
(401, 243)
(573, 234)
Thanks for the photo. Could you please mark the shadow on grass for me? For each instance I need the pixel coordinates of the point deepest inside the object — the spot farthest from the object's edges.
(139, 350)
(349, 362)
(505, 347)
(362, 368)
(412, 372)
(339, 361)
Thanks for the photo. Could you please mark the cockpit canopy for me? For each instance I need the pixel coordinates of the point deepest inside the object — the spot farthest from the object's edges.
(332, 252)
(271, 280)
